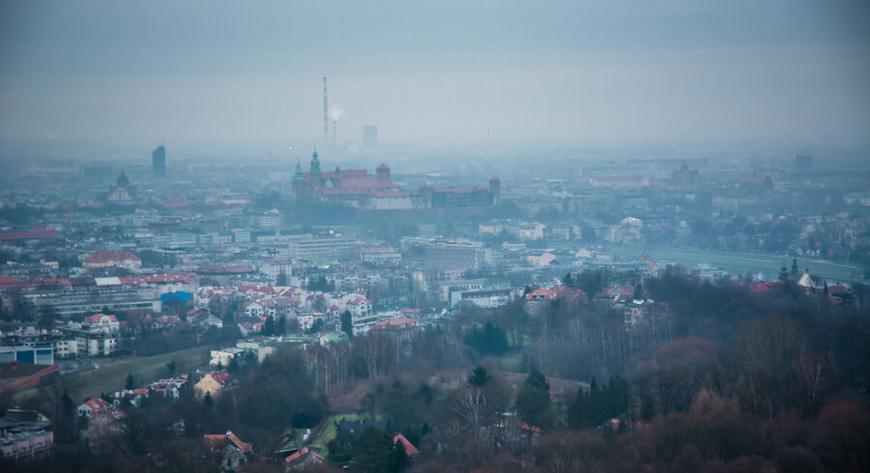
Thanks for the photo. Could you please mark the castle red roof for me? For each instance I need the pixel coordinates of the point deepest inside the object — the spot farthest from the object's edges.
(102, 257)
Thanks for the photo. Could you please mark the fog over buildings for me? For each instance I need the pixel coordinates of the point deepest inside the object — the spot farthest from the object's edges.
(416, 237)
(209, 77)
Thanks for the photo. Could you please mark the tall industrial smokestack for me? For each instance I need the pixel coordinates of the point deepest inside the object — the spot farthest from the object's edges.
(325, 114)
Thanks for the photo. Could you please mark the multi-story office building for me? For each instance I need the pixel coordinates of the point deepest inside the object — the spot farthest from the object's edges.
(312, 248)
(158, 161)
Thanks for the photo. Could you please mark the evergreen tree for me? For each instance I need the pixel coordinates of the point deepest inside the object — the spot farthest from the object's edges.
(268, 326)
(479, 377)
(579, 410)
(533, 400)
(131, 383)
(374, 452)
(347, 324)
(281, 280)
(490, 339)
(65, 420)
(280, 326)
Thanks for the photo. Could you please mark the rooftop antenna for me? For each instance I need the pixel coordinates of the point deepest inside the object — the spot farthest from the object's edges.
(325, 114)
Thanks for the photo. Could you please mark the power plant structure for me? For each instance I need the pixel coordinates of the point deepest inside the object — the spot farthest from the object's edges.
(325, 114)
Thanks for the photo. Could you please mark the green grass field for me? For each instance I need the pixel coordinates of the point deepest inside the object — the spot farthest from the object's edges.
(330, 430)
(742, 263)
(112, 374)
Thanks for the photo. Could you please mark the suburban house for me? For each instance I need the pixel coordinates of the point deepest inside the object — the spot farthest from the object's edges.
(302, 459)
(212, 384)
(234, 452)
(106, 323)
(538, 299)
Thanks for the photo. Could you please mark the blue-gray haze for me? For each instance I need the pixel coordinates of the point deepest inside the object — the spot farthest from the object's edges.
(206, 75)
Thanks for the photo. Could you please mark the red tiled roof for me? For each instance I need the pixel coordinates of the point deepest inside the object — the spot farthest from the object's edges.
(97, 404)
(555, 292)
(32, 235)
(245, 447)
(409, 447)
(101, 257)
(359, 301)
(398, 322)
(839, 289)
(764, 286)
(301, 453)
(221, 377)
(7, 281)
(219, 440)
(96, 318)
(530, 428)
(214, 440)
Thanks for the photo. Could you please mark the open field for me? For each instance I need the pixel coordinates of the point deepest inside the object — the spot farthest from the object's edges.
(742, 263)
(329, 430)
(112, 373)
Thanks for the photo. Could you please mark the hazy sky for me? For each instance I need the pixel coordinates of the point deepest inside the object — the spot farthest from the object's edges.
(203, 74)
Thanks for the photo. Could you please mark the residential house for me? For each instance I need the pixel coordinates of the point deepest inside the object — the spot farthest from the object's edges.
(537, 300)
(106, 323)
(212, 383)
(302, 459)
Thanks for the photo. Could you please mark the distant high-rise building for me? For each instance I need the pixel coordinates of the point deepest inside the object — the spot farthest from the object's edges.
(803, 162)
(370, 136)
(158, 161)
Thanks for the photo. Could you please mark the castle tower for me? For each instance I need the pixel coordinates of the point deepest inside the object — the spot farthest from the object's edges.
(383, 172)
(495, 189)
(315, 163)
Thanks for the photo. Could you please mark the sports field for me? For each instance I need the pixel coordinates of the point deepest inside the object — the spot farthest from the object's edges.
(112, 373)
(742, 263)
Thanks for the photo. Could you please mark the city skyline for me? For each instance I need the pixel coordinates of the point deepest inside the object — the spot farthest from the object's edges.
(696, 74)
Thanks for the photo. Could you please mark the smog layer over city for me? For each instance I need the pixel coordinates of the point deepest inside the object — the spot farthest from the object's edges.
(453, 236)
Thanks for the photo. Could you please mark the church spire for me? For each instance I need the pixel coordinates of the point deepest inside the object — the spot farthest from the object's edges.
(297, 174)
(315, 162)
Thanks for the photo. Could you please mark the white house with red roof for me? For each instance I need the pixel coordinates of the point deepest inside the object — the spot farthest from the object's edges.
(358, 305)
(106, 323)
(104, 419)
